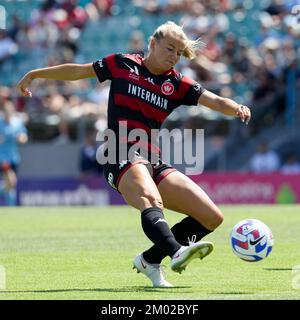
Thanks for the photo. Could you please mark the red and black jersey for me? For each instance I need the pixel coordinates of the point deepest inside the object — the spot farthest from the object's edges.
(139, 97)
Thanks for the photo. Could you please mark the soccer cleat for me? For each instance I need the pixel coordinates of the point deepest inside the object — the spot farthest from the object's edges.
(153, 271)
(187, 253)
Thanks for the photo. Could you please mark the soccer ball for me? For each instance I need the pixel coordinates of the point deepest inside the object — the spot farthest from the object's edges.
(251, 240)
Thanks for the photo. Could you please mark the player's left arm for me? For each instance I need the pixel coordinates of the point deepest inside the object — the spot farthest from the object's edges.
(225, 106)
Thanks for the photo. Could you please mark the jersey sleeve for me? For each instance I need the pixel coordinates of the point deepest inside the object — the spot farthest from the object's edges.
(105, 68)
(190, 91)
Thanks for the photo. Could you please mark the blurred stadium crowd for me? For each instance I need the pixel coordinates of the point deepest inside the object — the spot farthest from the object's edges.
(251, 54)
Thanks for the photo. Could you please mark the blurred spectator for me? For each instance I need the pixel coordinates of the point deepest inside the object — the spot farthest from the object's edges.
(77, 16)
(264, 160)
(22, 38)
(266, 84)
(100, 93)
(291, 165)
(153, 6)
(12, 132)
(67, 41)
(88, 163)
(104, 7)
(64, 134)
(44, 34)
(267, 29)
(276, 7)
(291, 74)
(8, 47)
(137, 43)
(15, 27)
(98, 9)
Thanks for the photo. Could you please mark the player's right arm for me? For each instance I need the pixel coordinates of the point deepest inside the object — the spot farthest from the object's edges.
(68, 71)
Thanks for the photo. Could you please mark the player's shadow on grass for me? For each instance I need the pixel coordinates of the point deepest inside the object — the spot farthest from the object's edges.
(232, 292)
(171, 289)
(278, 269)
(123, 289)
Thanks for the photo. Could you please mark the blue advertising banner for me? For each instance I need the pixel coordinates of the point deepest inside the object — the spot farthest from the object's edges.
(66, 191)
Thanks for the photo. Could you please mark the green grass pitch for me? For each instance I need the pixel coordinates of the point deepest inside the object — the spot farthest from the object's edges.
(86, 253)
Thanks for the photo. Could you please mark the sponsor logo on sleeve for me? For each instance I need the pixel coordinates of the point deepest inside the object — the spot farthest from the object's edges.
(134, 71)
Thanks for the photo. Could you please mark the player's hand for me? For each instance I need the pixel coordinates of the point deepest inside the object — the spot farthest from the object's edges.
(24, 84)
(243, 113)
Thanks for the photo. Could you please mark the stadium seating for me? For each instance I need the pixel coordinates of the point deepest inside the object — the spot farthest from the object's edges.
(112, 33)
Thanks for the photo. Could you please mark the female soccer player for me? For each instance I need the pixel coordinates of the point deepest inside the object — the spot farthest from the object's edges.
(143, 92)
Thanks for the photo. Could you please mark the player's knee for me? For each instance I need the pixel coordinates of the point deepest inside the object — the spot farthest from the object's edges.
(217, 219)
(214, 220)
(149, 200)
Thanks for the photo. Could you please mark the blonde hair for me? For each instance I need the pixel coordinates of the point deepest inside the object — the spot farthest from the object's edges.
(171, 28)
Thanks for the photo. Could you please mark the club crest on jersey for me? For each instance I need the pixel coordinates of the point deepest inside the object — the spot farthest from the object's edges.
(167, 88)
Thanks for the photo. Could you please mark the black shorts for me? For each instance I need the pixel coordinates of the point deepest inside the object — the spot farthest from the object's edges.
(114, 172)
